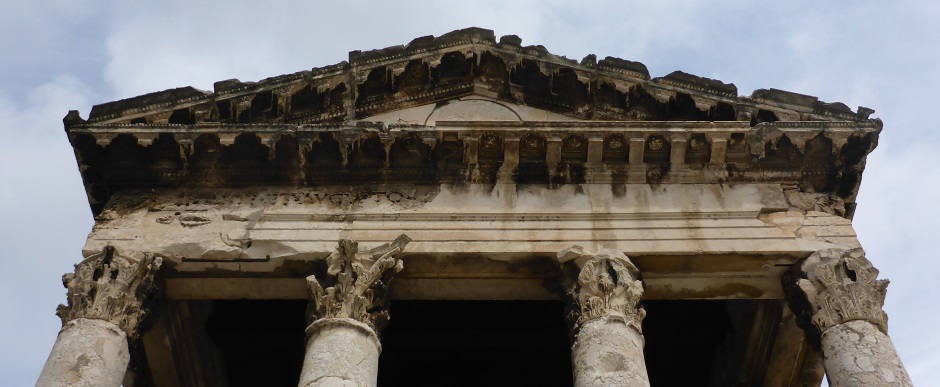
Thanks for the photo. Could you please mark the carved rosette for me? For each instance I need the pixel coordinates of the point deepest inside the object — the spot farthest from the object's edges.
(110, 287)
(602, 284)
(835, 286)
(361, 290)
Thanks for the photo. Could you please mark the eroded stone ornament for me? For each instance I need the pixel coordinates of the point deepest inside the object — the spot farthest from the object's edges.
(361, 289)
(601, 284)
(110, 287)
(838, 301)
(835, 286)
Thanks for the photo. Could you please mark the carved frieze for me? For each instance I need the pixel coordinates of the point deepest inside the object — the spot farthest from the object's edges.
(835, 286)
(110, 287)
(360, 279)
(601, 284)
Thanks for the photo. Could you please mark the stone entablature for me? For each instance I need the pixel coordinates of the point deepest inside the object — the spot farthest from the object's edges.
(812, 157)
(465, 108)
(719, 241)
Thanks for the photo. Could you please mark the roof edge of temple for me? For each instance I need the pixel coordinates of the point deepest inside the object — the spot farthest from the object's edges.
(381, 80)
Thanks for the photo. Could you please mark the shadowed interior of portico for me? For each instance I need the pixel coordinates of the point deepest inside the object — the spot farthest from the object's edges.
(476, 343)
(493, 343)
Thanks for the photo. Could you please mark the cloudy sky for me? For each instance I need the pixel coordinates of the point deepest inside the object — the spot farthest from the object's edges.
(72, 54)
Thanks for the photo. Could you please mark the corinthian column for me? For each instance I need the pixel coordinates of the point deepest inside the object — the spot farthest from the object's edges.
(838, 299)
(605, 316)
(346, 318)
(107, 297)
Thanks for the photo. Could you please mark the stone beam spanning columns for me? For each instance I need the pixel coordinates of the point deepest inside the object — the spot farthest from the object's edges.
(346, 318)
(107, 299)
(838, 299)
(604, 290)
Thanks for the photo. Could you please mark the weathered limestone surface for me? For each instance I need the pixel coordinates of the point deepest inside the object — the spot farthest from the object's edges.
(340, 352)
(87, 353)
(839, 300)
(263, 230)
(857, 353)
(218, 224)
(110, 287)
(604, 291)
(607, 352)
(107, 299)
(362, 281)
(345, 320)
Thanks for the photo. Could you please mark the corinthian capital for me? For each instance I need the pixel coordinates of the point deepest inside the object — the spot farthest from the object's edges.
(835, 286)
(360, 283)
(601, 284)
(110, 287)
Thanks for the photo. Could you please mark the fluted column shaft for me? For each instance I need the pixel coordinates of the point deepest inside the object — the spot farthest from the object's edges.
(107, 295)
(345, 319)
(839, 300)
(605, 316)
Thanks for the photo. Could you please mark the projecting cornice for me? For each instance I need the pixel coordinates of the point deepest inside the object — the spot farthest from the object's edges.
(812, 157)
(478, 112)
(460, 63)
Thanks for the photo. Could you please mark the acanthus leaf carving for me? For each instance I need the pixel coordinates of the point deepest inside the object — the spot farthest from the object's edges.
(835, 286)
(111, 287)
(601, 284)
(361, 283)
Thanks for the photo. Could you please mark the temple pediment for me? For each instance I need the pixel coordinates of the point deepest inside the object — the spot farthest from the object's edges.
(461, 64)
(466, 108)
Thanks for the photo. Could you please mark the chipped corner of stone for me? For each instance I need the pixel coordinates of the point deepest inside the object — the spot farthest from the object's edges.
(569, 254)
(579, 254)
(790, 220)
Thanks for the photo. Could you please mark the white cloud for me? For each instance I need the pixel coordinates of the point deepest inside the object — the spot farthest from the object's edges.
(156, 46)
(45, 219)
(43, 38)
